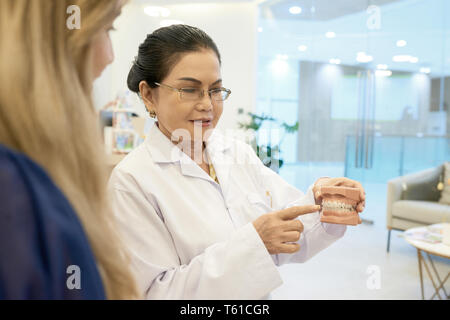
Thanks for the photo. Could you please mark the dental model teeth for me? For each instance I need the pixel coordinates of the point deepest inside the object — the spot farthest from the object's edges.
(339, 205)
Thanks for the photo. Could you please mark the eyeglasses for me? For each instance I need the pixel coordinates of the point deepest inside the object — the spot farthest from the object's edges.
(192, 94)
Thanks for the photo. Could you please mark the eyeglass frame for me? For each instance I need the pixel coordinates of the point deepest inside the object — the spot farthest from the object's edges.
(180, 91)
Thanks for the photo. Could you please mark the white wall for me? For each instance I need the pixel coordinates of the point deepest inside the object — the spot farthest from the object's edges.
(233, 26)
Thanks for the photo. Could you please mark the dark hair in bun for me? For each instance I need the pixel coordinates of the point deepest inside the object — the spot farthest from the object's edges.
(162, 49)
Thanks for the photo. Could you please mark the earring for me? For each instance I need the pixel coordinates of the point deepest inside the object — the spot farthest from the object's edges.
(152, 114)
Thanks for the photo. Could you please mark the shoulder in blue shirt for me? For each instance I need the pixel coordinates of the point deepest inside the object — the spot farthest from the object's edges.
(44, 251)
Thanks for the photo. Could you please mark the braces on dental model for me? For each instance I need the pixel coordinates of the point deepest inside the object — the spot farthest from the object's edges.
(335, 205)
(339, 205)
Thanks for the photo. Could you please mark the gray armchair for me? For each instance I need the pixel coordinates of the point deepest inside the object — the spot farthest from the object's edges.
(412, 201)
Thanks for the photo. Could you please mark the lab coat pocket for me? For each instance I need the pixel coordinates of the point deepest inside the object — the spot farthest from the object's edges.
(258, 203)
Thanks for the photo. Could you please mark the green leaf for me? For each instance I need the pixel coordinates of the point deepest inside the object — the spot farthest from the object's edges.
(290, 129)
(265, 153)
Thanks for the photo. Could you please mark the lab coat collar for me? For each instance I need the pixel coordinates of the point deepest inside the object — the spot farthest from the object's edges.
(162, 150)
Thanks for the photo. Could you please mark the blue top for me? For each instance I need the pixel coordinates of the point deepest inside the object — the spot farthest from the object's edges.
(44, 251)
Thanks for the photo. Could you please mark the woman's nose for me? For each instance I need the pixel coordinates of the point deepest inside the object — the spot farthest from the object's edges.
(205, 104)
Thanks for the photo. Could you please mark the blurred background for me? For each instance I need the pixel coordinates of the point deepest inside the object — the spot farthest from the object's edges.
(366, 80)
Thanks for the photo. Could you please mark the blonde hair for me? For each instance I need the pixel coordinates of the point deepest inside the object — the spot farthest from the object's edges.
(46, 112)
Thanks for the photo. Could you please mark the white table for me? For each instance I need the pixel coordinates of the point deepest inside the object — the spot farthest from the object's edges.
(437, 249)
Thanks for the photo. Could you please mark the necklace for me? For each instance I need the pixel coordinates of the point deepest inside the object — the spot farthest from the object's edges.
(212, 171)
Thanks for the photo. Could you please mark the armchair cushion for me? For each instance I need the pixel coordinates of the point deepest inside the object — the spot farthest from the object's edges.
(445, 196)
(426, 212)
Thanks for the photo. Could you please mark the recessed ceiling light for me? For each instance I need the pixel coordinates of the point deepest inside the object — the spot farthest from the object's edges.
(425, 70)
(295, 10)
(302, 48)
(405, 58)
(401, 58)
(279, 67)
(382, 67)
(260, 29)
(330, 34)
(363, 57)
(154, 11)
(401, 43)
(383, 73)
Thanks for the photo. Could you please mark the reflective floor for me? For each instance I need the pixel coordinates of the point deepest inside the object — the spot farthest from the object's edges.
(343, 270)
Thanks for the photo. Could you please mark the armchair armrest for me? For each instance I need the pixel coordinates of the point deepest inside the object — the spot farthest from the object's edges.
(414, 186)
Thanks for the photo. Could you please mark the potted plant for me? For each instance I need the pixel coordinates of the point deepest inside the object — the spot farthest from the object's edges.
(268, 153)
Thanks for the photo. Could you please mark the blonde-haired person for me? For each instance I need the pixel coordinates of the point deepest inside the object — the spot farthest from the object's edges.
(55, 221)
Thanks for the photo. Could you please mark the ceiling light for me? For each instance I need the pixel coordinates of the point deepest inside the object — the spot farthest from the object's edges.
(363, 57)
(405, 58)
(382, 67)
(295, 10)
(279, 67)
(260, 29)
(401, 58)
(153, 11)
(302, 48)
(330, 34)
(401, 43)
(383, 73)
(425, 70)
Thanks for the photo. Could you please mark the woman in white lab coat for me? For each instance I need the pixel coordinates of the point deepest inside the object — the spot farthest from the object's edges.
(202, 216)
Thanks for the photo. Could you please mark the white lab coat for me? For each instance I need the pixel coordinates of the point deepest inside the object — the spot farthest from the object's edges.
(191, 238)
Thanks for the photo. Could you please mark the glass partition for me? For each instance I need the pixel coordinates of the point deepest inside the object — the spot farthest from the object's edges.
(366, 80)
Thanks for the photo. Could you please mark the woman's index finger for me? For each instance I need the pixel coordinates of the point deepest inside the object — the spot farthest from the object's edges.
(293, 212)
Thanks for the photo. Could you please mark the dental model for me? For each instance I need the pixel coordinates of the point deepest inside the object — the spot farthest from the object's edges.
(339, 205)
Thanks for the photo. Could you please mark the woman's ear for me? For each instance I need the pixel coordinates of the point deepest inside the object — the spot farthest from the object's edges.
(146, 95)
